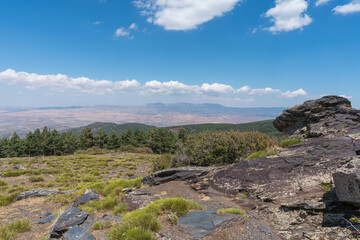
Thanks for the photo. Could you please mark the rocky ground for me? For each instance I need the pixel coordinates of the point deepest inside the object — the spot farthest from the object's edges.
(309, 190)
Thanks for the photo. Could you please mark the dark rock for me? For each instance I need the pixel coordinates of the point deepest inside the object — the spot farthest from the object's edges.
(37, 193)
(264, 229)
(171, 174)
(78, 233)
(305, 204)
(112, 217)
(347, 182)
(88, 196)
(69, 218)
(330, 114)
(201, 223)
(298, 169)
(47, 220)
(46, 215)
(68, 192)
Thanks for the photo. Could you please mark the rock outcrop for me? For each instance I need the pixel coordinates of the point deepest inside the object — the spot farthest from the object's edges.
(173, 174)
(347, 182)
(324, 116)
(88, 196)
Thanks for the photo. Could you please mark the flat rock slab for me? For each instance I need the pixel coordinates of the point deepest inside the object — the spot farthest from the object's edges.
(37, 193)
(201, 223)
(47, 220)
(78, 233)
(172, 174)
(305, 204)
(69, 218)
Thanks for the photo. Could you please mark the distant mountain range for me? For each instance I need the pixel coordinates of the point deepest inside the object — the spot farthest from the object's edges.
(261, 126)
(23, 120)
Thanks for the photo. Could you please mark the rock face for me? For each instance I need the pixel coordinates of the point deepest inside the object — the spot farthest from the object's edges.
(201, 223)
(328, 115)
(171, 174)
(88, 196)
(78, 233)
(347, 182)
(69, 218)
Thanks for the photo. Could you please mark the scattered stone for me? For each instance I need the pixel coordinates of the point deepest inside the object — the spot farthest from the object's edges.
(173, 174)
(88, 196)
(347, 182)
(112, 217)
(128, 190)
(305, 204)
(69, 218)
(46, 215)
(68, 192)
(19, 167)
(47, 220)
(78, 233)
(201, 223)
(264, 229)
(37, 193)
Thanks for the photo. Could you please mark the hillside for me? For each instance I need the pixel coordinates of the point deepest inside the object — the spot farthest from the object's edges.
(262, 126)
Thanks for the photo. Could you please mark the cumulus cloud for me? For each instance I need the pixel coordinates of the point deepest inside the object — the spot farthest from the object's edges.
(288, 15)
(122, 32)
(183, 14)
(134, 26)
(344, 96)
(97, 23)
(352, 7)
(61, 82)
(321, 2)
(287, 94)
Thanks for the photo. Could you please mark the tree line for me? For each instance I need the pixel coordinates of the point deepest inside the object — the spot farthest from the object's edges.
(49, 142)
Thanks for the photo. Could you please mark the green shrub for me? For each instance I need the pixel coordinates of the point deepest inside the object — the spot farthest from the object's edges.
(162, 162)
(36, 179)
(3, 183)
(326, 186)
(232, 211)
(120, 209)
(102, 225)
(10, 230)
(140, 223)
(114, 187)
(288, 142)
(261, 154)
(7, 199)
(106, 203)
(223, 147)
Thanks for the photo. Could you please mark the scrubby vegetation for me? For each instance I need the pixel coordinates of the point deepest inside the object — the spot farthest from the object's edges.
(232, 211)
(140, 224)
(102, 225)
(288, 142)
(216, 148)
(10, 230)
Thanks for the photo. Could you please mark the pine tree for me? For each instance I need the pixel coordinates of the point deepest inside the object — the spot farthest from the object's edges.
(113, 141)
(87, 138)
(16, 146)
(182, 135)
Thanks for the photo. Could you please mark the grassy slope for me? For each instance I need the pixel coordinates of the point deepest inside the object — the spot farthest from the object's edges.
(262, 126)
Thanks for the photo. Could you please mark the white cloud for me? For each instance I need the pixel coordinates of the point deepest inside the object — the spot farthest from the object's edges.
(97, 22)
(122, 32)
(183, 14)
(292, 94)
(61, 82)
(288, 15)
(352, 7)
(321, 2)
(134, 26)
(344, 96)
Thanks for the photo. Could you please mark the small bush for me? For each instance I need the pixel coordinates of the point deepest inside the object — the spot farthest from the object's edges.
(120, 209)
(102, 225)
(107, 203)
(261, 154)
(3, 183)
(36, 179)
(7, 199)
(162, 162)
(326, 186)
(10, 230)
(121, 232)
(288, 142)
(232, 211)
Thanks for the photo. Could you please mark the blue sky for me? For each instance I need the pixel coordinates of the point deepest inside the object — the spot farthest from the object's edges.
(237, 53)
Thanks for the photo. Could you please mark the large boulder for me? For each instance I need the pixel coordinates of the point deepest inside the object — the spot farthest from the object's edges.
(347, 182)
(89, 195)
(324, 116)
(180, 174)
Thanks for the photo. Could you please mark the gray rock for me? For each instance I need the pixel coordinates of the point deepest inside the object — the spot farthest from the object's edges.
(37, 193)
(347, 182)
(47, 220)
(19, 167)
(112, 217)
(201, 223)
(88, 196)
(78, 233)
(69, 218)
(324, 116)
(305, 204)
(172, 174)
